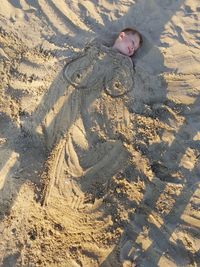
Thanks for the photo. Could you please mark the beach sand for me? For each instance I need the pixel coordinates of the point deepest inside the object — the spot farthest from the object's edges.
(141, 205)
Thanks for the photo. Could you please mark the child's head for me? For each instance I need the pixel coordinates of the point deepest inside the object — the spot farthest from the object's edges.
(128, 41)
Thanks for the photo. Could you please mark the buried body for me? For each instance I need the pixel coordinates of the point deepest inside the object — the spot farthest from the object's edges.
(91, 123)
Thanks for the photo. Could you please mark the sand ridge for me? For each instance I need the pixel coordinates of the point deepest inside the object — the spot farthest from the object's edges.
(139, 205)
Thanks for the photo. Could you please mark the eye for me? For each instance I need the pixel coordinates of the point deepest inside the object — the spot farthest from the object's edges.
(133, 43)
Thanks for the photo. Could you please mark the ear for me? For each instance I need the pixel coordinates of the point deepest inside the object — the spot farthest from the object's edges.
(121, 35)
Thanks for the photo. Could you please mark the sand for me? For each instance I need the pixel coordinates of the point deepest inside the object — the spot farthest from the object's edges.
(99, 170)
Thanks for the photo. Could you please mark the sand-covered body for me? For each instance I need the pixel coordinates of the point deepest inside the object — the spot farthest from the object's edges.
(90, 124)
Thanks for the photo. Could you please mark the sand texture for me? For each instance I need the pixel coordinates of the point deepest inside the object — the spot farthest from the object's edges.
(99, 153)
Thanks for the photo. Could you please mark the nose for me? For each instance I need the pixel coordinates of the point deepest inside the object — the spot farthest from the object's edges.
(132, 49)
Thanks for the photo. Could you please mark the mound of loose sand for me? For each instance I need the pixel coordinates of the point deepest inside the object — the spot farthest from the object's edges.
(103, 171)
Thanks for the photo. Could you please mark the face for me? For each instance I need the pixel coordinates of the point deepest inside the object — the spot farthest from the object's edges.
(127, 44)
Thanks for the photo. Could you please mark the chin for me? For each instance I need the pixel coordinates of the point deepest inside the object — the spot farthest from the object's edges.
(125, 53)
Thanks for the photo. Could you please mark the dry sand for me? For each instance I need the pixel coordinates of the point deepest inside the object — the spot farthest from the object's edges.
(90, 176)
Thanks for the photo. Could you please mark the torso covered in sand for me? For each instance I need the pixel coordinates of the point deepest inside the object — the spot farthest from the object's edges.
(89, 125)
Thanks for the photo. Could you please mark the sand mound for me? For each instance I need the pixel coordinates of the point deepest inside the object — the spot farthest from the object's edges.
(100, 161)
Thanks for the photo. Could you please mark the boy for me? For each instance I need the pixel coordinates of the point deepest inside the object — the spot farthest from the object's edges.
(87, 120)
(128, 41)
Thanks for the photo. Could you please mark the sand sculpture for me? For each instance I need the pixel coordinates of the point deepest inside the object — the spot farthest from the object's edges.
(92, 127)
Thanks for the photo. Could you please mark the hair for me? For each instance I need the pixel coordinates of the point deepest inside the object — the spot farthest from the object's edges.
(134, 31)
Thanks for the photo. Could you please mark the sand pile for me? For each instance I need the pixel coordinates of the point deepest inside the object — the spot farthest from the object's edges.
(100, 159)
